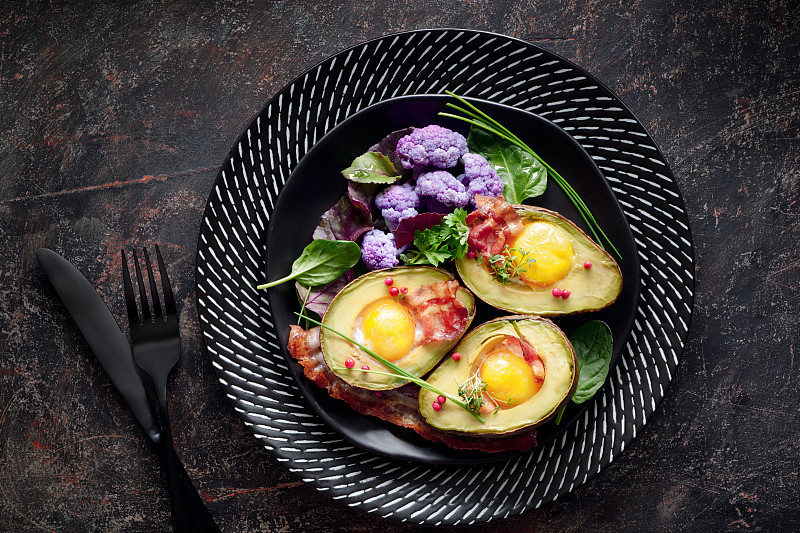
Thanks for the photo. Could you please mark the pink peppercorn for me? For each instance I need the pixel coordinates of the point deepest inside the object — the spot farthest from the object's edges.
(556, 292)
(565, 294)
(441, 399)
(388, 281)
(456, 356)
(587, 265)
(471, 254)
(378, 394)
(364, 367)
(349, 362)
(436, 406)
(404, 290)
(394, 291)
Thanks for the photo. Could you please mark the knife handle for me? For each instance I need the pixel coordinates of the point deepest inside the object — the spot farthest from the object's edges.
(199, 513)
(197, 509)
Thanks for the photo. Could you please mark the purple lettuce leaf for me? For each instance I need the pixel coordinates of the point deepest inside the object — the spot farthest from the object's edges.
(362, 195)
(404, 234)
(388, 146)
(343, 222)
(321, 297)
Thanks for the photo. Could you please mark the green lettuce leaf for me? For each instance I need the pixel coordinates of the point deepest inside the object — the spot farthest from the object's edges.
(372, 167)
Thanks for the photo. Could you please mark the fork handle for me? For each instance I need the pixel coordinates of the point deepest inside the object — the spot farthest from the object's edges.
(181, 520)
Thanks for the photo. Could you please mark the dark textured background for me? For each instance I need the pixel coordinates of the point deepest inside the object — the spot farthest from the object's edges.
(114, 120)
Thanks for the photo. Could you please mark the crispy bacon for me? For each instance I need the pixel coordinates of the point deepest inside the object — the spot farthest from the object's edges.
(492, 225)
(521, 348)
(397, 406)
(436, 308)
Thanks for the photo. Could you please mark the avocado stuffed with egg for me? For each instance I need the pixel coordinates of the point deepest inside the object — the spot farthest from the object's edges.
(516, 371)
(410, 316)
(532, 260)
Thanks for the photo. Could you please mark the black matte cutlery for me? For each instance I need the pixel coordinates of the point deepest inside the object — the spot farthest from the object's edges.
(111, 348)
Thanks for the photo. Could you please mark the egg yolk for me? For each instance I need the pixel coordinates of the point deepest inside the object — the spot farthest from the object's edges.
(545, 253)
(388, 329)
(509, 379)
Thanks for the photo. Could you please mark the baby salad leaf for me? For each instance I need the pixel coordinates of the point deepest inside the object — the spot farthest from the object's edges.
(372, 167)
(593, 346)
(321, 262)
(522, 174)
(345, 221)
(408, 227)
(388, 145)
(317, 299)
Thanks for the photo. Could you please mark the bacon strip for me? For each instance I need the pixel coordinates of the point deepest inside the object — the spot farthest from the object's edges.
(435, 306)
(492, 225)
(397, 406)
(521, 348)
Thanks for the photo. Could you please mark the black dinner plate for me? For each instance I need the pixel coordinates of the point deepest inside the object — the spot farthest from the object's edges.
(243, 341)
(316, 184)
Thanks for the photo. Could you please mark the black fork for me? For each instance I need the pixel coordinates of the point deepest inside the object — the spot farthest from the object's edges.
(156, 344)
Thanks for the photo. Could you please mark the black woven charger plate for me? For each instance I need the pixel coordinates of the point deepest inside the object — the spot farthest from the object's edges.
(238, 325)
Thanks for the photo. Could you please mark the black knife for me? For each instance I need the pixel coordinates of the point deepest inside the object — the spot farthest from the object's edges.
(111, 348)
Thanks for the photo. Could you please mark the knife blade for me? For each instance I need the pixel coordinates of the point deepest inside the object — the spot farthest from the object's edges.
(112, 350)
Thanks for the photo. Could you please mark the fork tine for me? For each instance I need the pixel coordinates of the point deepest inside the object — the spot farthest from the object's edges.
(130, 299)
(153, 288)
(146, 316)
(169, 298)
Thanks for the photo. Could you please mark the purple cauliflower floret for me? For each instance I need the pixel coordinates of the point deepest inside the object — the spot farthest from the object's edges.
(480, 177)
(378, 250)
(431, 146)
(441, 191)
(396, 203)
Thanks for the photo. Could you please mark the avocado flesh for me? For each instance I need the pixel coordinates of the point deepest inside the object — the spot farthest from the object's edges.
(345, 309)
(590, 289)
(561, 378)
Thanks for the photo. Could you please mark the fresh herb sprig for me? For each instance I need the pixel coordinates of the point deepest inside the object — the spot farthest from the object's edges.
(446, 240)
(475, 117)
(471, 391)
(396, 370)
(504, 266)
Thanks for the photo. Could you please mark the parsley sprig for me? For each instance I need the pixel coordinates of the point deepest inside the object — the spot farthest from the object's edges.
(447, 240)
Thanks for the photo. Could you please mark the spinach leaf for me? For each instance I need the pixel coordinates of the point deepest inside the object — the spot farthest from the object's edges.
(522, 174)
(372, 167)
(321, 262)
(593, 346)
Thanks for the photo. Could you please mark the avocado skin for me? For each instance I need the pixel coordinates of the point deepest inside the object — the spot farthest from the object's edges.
(561, 378)
(351, 301)
(590, 289)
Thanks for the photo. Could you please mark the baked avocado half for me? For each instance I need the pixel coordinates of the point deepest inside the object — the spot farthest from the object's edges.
(551, 253)
(366, 312)
(522, 369)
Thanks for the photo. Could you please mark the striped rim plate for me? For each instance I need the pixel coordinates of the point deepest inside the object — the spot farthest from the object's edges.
(237, 322)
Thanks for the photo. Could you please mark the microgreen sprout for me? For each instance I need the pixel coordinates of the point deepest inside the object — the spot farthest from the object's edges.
(471, 391)
(396, 371)
(505, 267)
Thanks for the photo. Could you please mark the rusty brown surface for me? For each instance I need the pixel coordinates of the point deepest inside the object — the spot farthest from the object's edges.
(114, 121)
